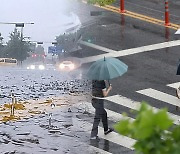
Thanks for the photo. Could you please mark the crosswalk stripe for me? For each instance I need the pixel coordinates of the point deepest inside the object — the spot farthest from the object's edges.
(95, 150)
(174, 85)
(97, 47)
(178, 31)
(118, 99)
(160, 96)
(112, 137)
(114, 116)
(132, 51)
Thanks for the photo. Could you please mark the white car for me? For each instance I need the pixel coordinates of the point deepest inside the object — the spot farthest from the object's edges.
(66, 65)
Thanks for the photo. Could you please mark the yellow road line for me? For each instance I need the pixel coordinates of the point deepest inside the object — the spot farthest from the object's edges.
(139, 16)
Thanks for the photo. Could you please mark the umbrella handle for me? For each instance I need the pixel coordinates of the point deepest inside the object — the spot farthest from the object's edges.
(109, 84)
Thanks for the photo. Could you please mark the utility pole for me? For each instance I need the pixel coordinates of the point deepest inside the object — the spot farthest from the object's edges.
(21, 25)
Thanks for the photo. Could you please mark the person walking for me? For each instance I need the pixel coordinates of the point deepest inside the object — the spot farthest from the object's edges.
(99, 91)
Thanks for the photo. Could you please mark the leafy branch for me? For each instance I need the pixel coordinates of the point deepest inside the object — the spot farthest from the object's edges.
(101, 2)
(154, 131)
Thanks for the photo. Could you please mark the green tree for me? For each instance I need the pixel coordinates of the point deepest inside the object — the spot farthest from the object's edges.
(39, 50)
(154, 131)
(101, 2)
(69, 42)
(17, 47)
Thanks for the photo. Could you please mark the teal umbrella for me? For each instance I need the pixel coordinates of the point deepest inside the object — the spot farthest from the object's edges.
(106, 69)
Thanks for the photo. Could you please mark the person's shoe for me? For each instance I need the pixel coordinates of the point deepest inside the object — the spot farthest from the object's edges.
(108, 131)
(94, 138)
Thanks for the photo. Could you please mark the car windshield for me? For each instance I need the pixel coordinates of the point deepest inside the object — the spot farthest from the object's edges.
(67, 62)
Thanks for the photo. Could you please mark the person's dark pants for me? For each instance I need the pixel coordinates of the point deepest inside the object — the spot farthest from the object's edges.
(100, 114)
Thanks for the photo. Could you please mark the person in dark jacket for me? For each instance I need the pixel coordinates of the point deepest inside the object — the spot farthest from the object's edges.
(99, 91)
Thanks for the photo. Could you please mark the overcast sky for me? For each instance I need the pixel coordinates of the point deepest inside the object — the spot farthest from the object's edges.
(48, 17)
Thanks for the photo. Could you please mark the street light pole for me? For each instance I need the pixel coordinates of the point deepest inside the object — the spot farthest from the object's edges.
(21, 25)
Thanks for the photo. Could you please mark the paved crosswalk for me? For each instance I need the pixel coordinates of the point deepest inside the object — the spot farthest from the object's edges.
(131, 104)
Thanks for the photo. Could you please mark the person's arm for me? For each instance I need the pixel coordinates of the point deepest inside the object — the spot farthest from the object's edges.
(106, 91)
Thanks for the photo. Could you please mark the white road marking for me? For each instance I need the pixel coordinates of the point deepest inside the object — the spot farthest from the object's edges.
(95, 58)
(95, 150)
(178, 31)
(160, 96)
(97, 47)
(114, 116)
(174, 85)
(118, 99)
(112, 137)
(132, 51)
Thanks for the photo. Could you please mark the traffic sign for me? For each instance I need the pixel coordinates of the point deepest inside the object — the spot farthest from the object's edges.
(55, 49)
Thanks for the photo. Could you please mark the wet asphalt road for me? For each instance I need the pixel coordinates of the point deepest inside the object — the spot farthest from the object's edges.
(120, 32)
(154, 69)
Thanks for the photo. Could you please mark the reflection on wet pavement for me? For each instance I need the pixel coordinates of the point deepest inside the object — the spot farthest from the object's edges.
(35, 85)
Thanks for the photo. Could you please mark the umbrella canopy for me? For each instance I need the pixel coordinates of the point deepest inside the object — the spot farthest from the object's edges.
(106, 69)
